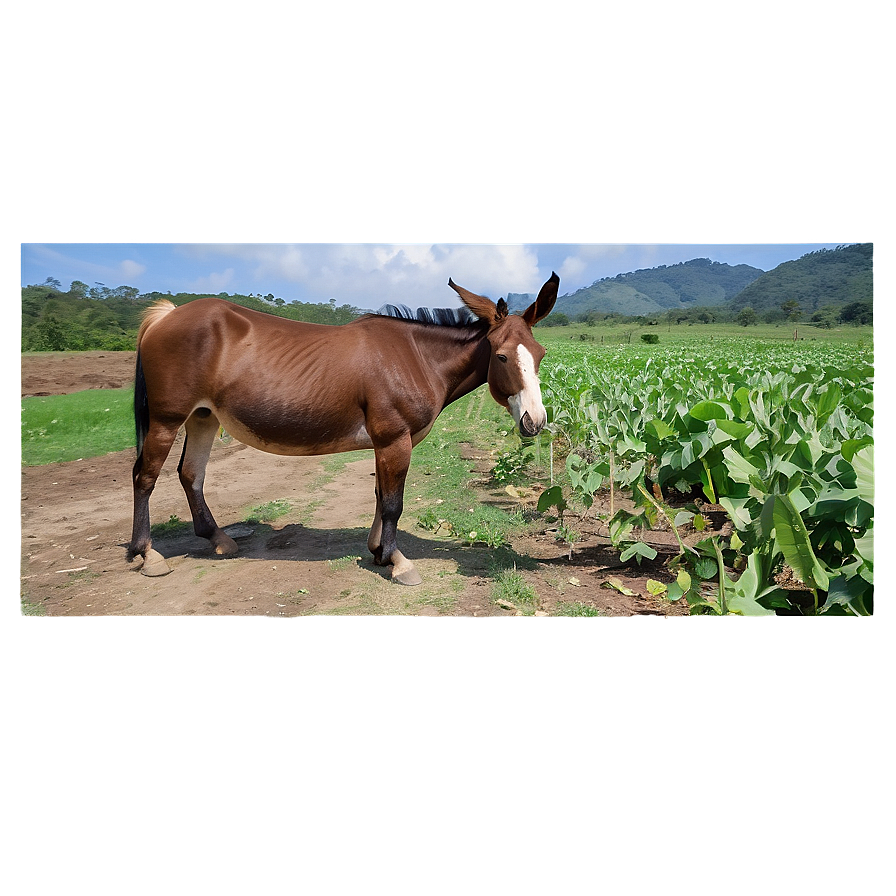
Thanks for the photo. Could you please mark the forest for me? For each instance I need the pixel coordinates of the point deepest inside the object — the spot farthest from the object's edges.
(90, 318)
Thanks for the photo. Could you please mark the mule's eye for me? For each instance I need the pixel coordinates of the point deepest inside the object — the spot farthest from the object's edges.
(502, 358)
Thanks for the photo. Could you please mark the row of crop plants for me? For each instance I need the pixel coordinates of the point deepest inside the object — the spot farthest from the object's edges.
(779, 435)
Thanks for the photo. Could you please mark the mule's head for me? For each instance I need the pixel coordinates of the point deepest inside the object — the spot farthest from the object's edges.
(515, 355)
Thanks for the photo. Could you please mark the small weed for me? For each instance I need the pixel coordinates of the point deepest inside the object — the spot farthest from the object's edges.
(272, 510)
(510, 586)
(510, 466)
(171, 526)
(444, 603)
(577, 608)
(30, 609)
(342, 563)
(296, 598)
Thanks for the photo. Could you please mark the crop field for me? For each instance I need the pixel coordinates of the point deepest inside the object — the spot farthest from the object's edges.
(777, 435)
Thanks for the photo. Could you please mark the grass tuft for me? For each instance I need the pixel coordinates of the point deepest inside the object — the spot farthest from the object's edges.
(272, 510)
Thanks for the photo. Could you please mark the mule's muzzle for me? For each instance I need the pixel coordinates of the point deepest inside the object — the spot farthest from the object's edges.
(528, 427)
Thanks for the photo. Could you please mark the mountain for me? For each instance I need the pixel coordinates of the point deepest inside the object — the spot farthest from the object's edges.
(699, 282)
(827, 277)
(519, 301)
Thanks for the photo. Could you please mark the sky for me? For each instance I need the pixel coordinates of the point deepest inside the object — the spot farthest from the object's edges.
(368, 275)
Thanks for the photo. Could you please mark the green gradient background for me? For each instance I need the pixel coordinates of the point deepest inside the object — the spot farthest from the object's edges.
(174, 756)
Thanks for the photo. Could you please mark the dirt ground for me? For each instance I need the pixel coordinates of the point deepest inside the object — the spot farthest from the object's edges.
(76, 522)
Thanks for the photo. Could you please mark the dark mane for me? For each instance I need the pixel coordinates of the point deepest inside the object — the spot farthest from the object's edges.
(436, 317)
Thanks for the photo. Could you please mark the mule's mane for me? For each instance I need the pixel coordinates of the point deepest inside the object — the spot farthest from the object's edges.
(455, 318)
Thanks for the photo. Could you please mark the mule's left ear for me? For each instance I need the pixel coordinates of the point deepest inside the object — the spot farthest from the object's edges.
(542, 306)
(482, 307)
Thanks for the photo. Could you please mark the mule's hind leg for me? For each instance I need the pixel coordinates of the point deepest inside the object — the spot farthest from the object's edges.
(159, 439)
(202, 426)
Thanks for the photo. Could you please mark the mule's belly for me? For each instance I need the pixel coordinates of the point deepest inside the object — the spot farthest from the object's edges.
(298, 440)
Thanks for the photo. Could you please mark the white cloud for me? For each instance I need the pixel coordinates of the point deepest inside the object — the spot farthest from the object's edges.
(212, 283)
(571, 268)
(367, 275)
(130, 270)
(371, 275)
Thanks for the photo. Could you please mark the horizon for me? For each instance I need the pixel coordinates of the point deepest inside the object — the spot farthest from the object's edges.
(368, 275)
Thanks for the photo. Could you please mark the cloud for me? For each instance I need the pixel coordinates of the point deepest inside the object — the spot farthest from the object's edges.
(130, 270)
(369, 275)
(212, 283)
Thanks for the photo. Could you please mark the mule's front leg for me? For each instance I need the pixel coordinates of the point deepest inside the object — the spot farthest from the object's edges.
(392, 462)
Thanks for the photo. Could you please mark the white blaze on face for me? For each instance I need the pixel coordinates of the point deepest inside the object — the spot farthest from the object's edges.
(528, 399)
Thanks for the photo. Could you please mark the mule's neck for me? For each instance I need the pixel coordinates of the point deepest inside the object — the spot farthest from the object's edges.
(460, 356)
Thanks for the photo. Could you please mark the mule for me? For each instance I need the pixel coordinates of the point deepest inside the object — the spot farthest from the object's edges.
(294, 388)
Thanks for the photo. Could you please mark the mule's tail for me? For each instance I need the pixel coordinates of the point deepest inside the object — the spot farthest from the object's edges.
(151, 315)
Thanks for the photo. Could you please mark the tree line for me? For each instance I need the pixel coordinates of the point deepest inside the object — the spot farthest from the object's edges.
(855, 313)
(102, 318)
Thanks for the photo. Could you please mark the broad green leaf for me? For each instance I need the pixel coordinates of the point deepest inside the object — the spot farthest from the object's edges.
(708, 410)
(737, 510)
(656, 588)
(706, 568)
(865, 547)
(849, 591)
(741, 605)
(851, 446)
(863, 464)
(830, 399)
(552, 497)
(809, 451)
(735, 429)
(615, 582)
(739, 468)
(660, 429)
(793, 540)
(741, 400)
(639, 550)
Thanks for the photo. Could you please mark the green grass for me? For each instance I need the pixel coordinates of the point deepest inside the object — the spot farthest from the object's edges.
(510, 586)
(341, 563)
(171, 526)
(440, 476)
(30, 609)
(576, 608)
(266, 513)
(70, 427)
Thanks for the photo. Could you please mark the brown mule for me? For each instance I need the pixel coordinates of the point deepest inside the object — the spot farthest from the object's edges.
(297, 389)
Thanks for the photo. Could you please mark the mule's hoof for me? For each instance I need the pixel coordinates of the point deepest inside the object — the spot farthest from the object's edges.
(154, 564)
(403, 571)
(408, 577)
(225, 546)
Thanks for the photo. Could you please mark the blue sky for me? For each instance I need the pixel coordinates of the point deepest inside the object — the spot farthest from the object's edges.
(368, 275)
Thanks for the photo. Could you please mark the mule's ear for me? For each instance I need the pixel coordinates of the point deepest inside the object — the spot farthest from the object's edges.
(542, 306)
(502, 309)
(483, 308)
